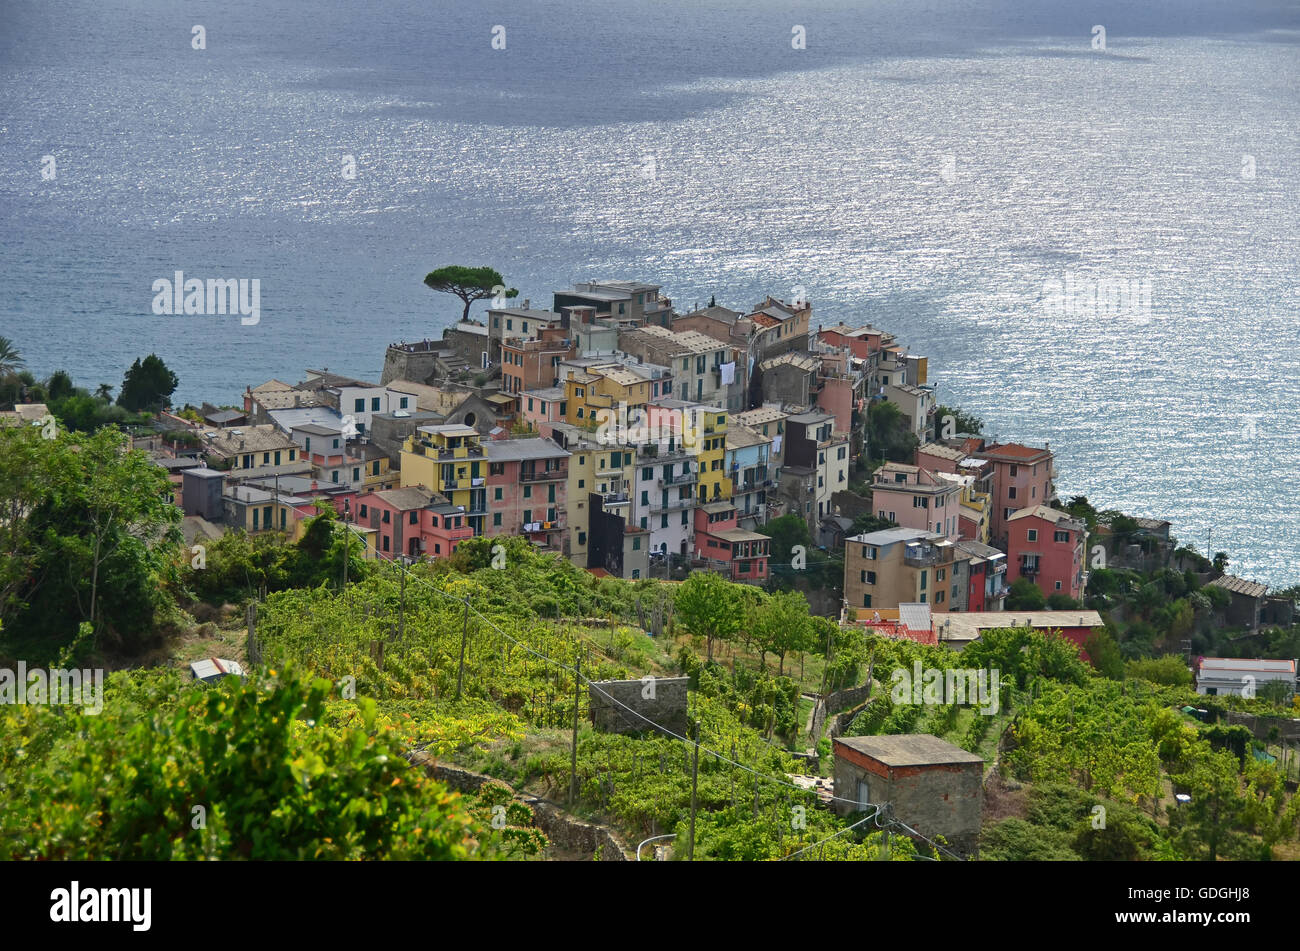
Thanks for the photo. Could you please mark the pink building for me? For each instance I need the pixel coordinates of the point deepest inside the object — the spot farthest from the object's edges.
(526, 490)
(739, 554)
(1022, 478)
(1046, 546)
(414, 522)
(542, 406)
(912, 497)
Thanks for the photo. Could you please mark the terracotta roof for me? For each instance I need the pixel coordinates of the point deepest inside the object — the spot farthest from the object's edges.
(1015, 451)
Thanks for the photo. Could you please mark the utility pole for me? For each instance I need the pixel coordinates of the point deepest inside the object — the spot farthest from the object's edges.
(464, 636)
(695, 779)
(573, 750)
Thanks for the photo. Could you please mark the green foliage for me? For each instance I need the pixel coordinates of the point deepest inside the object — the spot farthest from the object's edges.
(1105, 654)
(147, 385)
(888, 433)
(1170, 670)
(962, 422)
(708, 606)
(87, 536)
(1025, 596)
(241, 770)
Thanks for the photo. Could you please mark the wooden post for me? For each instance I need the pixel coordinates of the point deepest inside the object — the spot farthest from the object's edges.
(464, 636)
(401, 607)
(573, 751)
(695, 778)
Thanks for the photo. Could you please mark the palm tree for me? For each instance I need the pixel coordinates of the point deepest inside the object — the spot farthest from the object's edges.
(104, 391)
(11, 360)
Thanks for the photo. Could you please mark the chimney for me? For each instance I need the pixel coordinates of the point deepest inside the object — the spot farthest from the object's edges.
(241, 444)
(527, 301)
(297, 399)
(313, 485)
(248, 399)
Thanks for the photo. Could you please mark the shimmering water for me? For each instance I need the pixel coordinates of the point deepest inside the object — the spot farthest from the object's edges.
(930, 167)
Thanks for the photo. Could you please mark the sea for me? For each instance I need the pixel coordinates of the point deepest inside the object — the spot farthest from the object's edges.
(1083, 213)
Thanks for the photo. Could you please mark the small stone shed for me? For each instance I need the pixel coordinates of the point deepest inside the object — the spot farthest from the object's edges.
(933, 786)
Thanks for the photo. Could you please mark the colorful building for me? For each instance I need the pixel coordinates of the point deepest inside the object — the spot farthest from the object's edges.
(1046, 546)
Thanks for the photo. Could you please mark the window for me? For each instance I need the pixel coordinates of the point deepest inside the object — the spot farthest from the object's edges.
(1011, 492)
(1032, 535)
(334, 476)
(359, 405)
(414, 519)
(308, 445)
(496, 494)
(1060, 536)
(663, 520)
(938, 597)
(528, 491)
(582, 538)
(277, 457)
(374, 467)
(925, 576)
(940, 574)
(648, 473)
(385, 543)
(496, 518)
(868, 577)
(356, 474)
(866, 600)
(1014, 471)
(374, 404)
(684, 522)
(636, 542)
(386, 516)
(582, 484)
(401, 403)
(336, 443)
(636, 572)
(1058, 586)
(363, 510)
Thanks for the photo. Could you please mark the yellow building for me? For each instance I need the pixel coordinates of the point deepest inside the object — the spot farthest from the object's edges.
(608, 388)
(449, 460)
(706, 436)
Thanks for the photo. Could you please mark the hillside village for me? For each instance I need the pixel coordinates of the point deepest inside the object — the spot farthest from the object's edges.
(641, 442)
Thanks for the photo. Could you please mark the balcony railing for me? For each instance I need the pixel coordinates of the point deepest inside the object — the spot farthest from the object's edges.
(658, 505)
(547, 475)
(677, 480)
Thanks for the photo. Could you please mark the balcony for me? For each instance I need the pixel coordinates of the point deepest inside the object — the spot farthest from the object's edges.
(537, 528)
(921, 556)
(1029, 568)
(658, 505)
(546, 475)
(616, 498)
(682, 479)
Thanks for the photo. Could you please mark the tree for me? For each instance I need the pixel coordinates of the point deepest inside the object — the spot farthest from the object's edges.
(1105, 654)
(470, 284)
(963, 422)
(707, 606)
(780, 623)
(888, 433)
(1025, 596)
(787, 532)
(867, 523)
(11, 360)
(147, 386)
(104, 392)
(1220, 562)
(59, 385)
(92, 540)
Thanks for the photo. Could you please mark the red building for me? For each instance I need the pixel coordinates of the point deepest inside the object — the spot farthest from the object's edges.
(1022, 478)
(742, 555)
(1045, 545)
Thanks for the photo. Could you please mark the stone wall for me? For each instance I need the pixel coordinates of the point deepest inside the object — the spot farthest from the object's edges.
(661, 700)
(850, 698)
(564, 831)
(416, 362)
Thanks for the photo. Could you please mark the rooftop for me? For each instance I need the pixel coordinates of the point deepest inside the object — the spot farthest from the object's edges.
(968, 626)
(1014, 452)
(891, 536)
(909, 749)
(518, 450)
(1251, 589)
